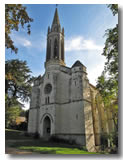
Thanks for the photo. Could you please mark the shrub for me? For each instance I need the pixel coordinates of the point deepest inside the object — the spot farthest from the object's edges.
(61, 140)
(104, 141)
(27, 134)
(112, 146)
(36, 135)
(113, 138)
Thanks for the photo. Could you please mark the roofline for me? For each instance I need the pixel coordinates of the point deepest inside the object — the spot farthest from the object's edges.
(92, 86)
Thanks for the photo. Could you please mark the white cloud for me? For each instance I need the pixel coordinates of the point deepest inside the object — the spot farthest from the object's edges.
(94, 72)
(89, 53)
(36, 42)
(22, 41)
(79, 43)
(26, 43)
(93, 60)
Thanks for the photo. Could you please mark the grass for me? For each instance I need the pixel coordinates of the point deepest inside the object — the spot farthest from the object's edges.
(55, 150)
(14, 134)
(17, 140)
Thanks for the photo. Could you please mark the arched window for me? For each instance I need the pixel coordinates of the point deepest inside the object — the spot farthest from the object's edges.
(55, 49)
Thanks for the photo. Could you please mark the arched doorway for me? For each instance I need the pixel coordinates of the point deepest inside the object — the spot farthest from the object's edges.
(46, 126)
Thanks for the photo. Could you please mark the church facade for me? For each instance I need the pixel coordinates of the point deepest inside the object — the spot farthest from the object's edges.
(63, 101)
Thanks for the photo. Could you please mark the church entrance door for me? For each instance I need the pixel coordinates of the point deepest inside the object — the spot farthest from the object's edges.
(46, 127)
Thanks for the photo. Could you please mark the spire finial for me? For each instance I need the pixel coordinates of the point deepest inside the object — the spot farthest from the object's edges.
(56, 17)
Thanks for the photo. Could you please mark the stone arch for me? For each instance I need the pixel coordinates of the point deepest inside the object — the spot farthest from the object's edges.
(45, 115)
(42, 121)
(46, 126)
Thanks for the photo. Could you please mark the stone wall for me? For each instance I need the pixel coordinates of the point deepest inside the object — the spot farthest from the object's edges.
(62, 87)
(32, 122)
(70, 118)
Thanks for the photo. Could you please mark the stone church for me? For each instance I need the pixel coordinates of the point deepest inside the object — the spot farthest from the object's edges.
(63, 102)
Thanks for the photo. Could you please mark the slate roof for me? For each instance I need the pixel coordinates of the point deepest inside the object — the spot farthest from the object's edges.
(77, 64)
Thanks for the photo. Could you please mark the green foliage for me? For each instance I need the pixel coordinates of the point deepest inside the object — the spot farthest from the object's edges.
(12, 111)
(107, 83)
(104, 142)
(18, 88)
(109, 93)
(11, 114)
(108, 89)
(113, 139)
(17, 79)
(11, 101)
(110, 51)
(114, 8)
(15, 16)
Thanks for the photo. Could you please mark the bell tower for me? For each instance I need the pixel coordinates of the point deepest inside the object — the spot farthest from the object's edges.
(55, 42)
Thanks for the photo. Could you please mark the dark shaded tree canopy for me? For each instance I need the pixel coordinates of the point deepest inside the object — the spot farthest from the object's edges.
(18, 84)
(18, 79)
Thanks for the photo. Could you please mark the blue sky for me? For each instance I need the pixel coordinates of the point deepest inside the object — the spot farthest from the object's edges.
(84, 26)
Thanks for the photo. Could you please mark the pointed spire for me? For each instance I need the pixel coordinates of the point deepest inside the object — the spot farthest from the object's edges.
(56, 18)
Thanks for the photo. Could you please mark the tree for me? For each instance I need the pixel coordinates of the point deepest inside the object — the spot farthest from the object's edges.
(25, 113)
(114, 8)
(15, 16)
(11, 113)
(109, 97)
(107, 83)
(17, 89)
(17, 80)
(110, 51)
